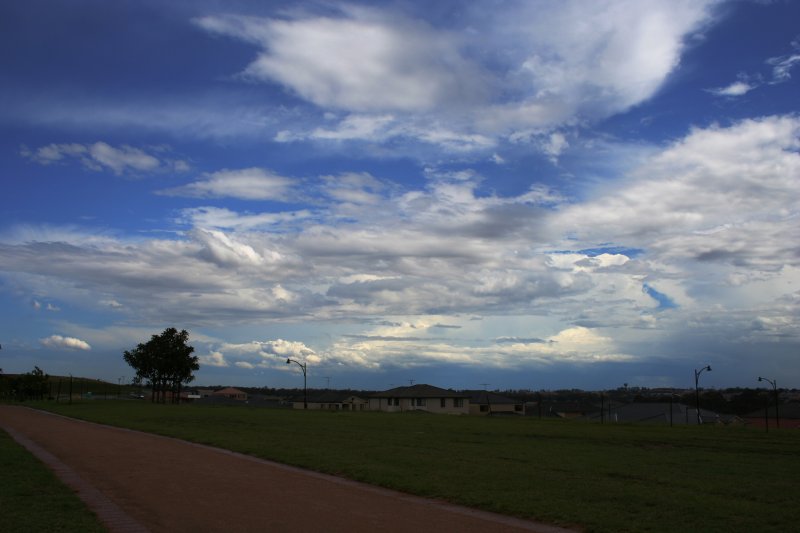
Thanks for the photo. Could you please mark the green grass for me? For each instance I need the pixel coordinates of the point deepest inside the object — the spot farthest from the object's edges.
(33, 499)
(609, 477)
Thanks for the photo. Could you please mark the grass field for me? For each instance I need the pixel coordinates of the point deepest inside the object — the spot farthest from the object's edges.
(597, 477)
(33, 499)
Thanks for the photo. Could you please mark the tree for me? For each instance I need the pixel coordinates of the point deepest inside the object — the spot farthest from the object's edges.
(32, 385)
(165, 363)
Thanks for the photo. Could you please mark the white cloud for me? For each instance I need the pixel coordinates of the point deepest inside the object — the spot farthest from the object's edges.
(362, 60)
(540, 65)
(737, 88)
(246, 184)
(709, 220)
(65, 343)
(122, 158)
(222, 218)
(783, 65)
(740, 175)
(225, 250)
(554, 146)
(410, 344)
(291, 349)
(215, 359)
(781, 73)
(102, 156)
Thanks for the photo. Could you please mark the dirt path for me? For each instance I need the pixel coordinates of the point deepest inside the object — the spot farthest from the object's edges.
(141, 482)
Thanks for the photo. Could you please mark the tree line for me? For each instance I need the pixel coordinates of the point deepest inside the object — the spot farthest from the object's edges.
(33, 385)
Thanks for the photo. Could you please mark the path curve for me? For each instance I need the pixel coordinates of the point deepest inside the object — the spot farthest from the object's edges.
(138, 481)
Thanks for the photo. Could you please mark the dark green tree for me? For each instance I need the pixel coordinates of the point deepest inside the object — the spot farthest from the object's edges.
(32, 385)
(165, 363)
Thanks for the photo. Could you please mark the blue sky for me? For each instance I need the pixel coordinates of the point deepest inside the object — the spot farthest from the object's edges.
(527, 194)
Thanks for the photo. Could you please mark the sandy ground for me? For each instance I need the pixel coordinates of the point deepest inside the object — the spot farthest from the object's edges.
(141, 482)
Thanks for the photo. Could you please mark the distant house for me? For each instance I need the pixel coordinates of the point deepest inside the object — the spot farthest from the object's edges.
(231, 393)
(420, 397)
(483, 402)
(333, 401)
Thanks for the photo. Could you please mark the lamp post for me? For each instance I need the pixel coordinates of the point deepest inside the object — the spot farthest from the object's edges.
(671, 396)
(304, 367)
(774, 383)
(697, 389)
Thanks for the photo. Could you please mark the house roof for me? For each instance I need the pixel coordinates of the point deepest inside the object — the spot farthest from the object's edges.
(332, 397)
(420, 390)
(482, 397)
(230, 390)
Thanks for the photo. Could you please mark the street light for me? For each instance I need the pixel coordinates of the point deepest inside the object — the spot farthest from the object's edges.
(697, 389)
(303, 366)
(774, 384)
(671, 396)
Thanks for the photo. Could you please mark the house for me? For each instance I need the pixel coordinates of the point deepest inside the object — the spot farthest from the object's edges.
(420, 397)
(333, 401)
(231, 393)
(482, 402)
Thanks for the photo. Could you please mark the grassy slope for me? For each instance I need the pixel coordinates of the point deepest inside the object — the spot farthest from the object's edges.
(32, 498)
(601, 477)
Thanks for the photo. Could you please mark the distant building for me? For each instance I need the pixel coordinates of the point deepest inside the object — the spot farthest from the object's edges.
(420, 397)
(231, 393)
(483, 402)
(333, 401)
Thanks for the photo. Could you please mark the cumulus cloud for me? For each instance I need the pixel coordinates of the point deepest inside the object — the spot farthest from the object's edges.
(215, 359)
(708, 220)
(576, 345)
(736, 176)
(65, 343)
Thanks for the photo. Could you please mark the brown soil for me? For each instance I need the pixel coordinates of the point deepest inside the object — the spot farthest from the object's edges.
(141, 482)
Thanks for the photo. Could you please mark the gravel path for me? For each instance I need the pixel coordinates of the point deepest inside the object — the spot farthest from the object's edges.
(139, 482)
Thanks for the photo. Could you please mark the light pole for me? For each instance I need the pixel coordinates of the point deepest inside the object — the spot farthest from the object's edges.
(774, 383)
(671, 396)
(697, 389)
(304, 367)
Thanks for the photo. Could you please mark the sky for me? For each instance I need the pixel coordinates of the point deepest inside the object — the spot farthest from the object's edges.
(497, 194)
